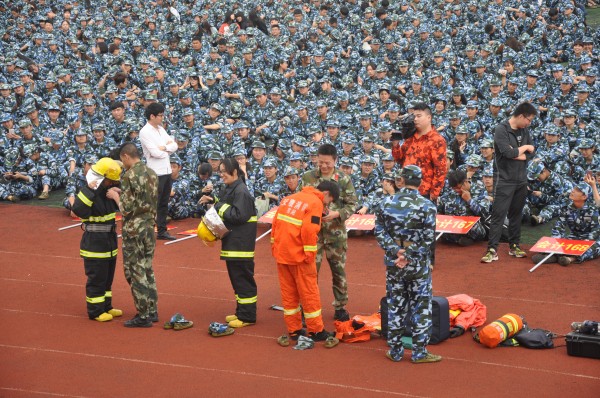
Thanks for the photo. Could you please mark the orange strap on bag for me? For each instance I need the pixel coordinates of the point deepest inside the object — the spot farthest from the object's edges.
(500, 330)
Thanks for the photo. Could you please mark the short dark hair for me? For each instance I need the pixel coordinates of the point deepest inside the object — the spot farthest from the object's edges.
(525, 109)
(327, 149)
(422, 106)
(116, 104)
(232, 165)
(154, 109)
(130, 150)
(412, 182)
(205, 169)
(330, 186)
(119, 78)
(456, 178)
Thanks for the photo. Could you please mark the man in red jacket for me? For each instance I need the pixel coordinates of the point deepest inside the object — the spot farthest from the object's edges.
(294, 237)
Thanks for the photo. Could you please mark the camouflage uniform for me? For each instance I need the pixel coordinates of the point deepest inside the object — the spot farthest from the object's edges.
(139, 197)
(407, 220)
(333, 237)
(583, 224)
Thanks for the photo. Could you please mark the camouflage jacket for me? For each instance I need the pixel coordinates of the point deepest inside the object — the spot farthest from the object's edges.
(139, 193)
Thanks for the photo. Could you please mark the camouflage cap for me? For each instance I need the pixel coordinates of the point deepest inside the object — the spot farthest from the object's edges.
(488, 170)
(24, 123)
(474, 160)
(461, 129)
(187, 112)
(551, 130)
(450, 154)
(472, 104)
(486, 144)
(269, 162)
(300, 141)
(174, 158)
(387, 157)
(290, 171)
(411, 172)
(296, 156)
(215, 155)
(584, 188)
(586, 143)
(346, 161)
(367, 159)
(29, 149)
(496, 102)
(583, 88)
(388, 176)
(216, 106)
(534, 170)
(348, 139)
(258, 144)
(98, 127)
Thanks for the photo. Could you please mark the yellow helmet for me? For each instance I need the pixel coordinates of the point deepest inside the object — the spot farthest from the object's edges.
(205, 234)
(108, 168)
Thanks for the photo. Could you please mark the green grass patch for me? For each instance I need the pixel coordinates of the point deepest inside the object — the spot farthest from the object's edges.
(593, 17)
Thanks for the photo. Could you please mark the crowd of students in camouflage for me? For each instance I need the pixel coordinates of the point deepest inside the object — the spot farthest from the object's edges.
(268, 82)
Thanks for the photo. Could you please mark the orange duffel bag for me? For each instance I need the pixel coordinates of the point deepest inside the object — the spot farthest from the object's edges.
(500, 330)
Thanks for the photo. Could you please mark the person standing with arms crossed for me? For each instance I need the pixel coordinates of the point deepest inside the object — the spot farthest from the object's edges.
(137, 201)
(405, 230)
(294, 238)
(513, 148)
(157, 145)
(333, 237)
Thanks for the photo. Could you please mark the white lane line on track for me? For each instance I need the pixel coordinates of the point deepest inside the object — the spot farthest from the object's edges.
(355, 284)
(350, 346)
(216, 370)
(51, 394)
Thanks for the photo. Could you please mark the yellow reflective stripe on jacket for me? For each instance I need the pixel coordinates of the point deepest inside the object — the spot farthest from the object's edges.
(289, 219)
(248, 300)
(85, 253)
(223, 209)
(310, 248)
(108, 217)
(309, 315)
(84, 199)
(253, 219)
(95, 300)
(230, 253)
(108, 293)
(292, 311)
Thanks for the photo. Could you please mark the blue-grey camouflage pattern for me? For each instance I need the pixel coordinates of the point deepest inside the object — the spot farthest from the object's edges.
(407, 220)
(583, 224)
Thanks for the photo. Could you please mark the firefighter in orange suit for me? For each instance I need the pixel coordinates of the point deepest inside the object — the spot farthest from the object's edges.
(294, 245)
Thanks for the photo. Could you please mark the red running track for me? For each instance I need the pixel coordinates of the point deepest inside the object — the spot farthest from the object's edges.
(48, 347)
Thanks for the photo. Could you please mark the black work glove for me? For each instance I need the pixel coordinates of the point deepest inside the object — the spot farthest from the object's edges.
(456, 331)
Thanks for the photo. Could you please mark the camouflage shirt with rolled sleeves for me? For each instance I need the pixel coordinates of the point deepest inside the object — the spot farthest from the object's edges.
(345, 205)
(139, 197)
(406, 220)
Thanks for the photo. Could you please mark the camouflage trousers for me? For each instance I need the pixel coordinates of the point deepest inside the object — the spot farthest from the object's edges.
(335, 252)
(139, 242)
(52, 182)
(18, 189)
(590, 254)
(179, 209)
(409, 300)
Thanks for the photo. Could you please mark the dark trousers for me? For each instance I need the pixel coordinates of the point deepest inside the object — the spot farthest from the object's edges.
(241, 275)
(509, 199)
(98, 289)
(165, 183)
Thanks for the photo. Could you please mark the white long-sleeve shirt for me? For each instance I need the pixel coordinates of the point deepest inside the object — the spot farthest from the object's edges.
(151, 139)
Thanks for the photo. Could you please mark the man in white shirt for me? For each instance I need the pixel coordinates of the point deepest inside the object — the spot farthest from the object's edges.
(157, 146)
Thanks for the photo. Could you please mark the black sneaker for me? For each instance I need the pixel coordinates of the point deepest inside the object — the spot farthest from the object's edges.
(153, 317)
(341, 315)
(465, 241)
(138, 322)
(321, 336)
(165, 236)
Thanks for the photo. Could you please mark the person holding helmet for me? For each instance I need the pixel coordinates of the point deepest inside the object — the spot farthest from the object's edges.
(137, 199)
(236, 208)
(98, 246)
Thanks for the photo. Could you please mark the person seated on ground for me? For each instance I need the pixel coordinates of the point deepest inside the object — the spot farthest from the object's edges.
(553, 151)
(582, 218)
(549, 195)
(19, 181)
(588, 159)
(372, 204)
(179, 206)
(459, 202)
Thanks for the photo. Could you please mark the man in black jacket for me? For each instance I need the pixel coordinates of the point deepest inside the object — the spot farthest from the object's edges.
(513, 148)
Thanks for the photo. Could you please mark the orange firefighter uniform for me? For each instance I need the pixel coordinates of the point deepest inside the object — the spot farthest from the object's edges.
(294, 245)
